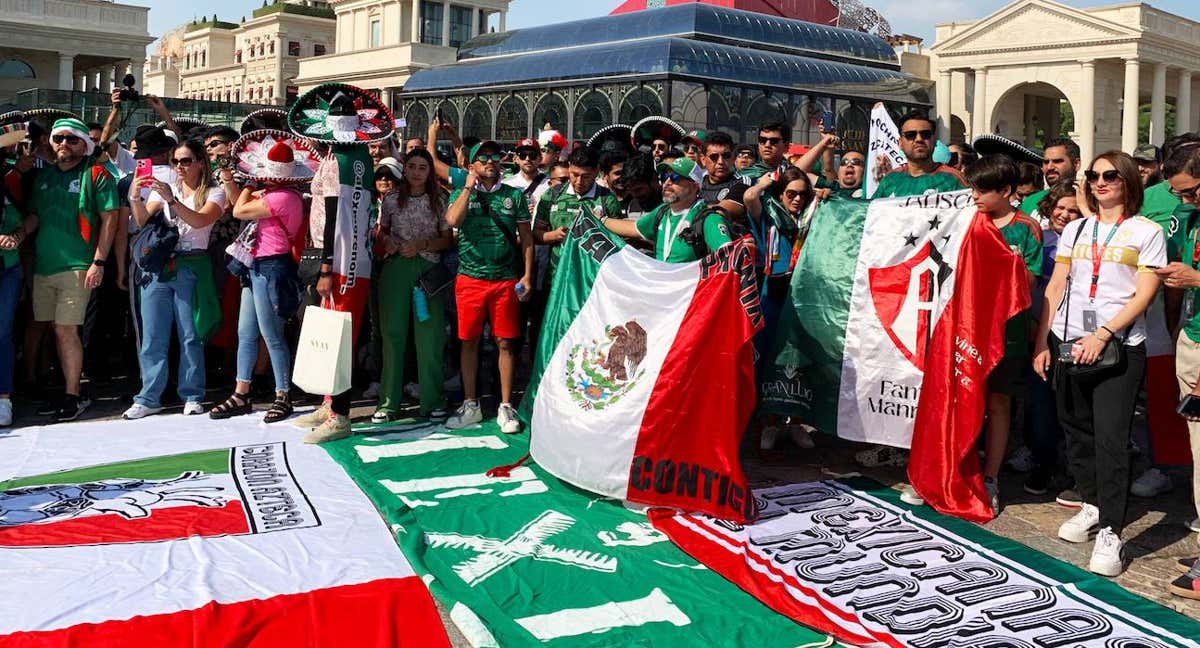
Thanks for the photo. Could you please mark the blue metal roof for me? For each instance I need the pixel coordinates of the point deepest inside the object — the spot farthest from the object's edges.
(693, 20)
(677, 58)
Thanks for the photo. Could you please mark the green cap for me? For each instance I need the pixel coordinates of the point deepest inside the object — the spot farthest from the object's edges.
(684, 167)
(1147, 153)
(480, 146)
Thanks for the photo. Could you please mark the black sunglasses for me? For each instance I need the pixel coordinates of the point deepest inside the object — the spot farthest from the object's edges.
(913, 134)
(748, 154)
(773, 141)
(527, 155)
(670, 176)
(854, 162)
(1112, 175)
(69, 139)
(182, 161)
(1189, 194)
(720, 156)
(791, 194)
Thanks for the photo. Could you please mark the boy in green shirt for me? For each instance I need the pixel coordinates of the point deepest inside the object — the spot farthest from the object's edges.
(561, 204)
(993, 182)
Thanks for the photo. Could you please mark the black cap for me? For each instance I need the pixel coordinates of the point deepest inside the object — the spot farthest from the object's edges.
(153, 141)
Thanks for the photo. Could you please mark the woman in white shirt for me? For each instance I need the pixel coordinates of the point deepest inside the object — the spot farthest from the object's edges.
(182, 294)
(1103, 282)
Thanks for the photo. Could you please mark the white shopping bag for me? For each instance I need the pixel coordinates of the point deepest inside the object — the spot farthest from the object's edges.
(323, 356)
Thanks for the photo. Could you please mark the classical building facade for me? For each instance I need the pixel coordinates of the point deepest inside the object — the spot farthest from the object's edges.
(1009, 73)
(255, 61)
(69, 44)
(380, 43)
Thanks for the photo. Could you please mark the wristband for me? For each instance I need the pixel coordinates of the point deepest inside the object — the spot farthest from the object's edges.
(99, 263)
(1110, 332)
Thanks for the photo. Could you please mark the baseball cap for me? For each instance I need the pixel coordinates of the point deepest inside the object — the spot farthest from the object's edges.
(1147, 153)
(684, 167)
(528, 143)
(696, 137)
(391, 165)
(479, 147)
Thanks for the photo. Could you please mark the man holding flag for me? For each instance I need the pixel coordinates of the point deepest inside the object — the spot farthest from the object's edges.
(920, 174)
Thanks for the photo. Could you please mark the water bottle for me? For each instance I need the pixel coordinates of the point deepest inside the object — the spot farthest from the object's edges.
(520, 288)
(420, 304)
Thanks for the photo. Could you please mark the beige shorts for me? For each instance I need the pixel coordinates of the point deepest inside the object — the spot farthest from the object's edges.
(60, 298)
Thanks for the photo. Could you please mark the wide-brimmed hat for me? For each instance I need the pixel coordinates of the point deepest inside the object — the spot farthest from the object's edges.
(13, 127)
(189, 127)
(39, 120)
(340, 114)
(274, 157)
(992, 144)
(614, 137)
(264, 119)
(656, 127)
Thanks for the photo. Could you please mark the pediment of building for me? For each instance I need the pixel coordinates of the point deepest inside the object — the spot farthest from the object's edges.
(1032, 23)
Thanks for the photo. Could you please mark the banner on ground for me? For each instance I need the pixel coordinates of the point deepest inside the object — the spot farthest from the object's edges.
(883, 146)
(635, 357)
(527, 560)
(896, 319)
(851, 560)
(175, 531)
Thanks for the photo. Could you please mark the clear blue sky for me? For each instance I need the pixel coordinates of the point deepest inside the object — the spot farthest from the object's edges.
(165, 14)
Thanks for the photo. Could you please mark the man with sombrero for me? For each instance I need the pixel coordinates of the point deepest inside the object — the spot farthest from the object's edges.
(656, 135)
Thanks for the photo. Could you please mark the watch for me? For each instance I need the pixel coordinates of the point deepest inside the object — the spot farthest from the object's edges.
(99, 263)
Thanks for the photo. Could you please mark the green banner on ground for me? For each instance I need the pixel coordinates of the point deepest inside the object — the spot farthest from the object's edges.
(529, 560)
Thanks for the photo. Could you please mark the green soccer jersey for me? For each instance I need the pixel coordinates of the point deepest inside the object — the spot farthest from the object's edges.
(560, 208)
(837, 190)
(1030, 205)
(484, 251)
(68, 205)
(668, 245)
(1024, 237)
(1159, 205)
(900, 183)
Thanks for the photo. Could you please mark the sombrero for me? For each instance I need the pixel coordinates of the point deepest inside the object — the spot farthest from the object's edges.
(274, 157)
(266, 118)
(989, 144)
(614, 137)
(656, 127)
(13, 126)
(340, 114)
(40, 120)
(190, 127)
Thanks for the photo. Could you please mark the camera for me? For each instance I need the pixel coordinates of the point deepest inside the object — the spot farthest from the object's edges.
(128, 93)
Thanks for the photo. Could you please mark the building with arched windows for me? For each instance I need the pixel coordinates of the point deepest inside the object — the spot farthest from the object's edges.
(708, 67)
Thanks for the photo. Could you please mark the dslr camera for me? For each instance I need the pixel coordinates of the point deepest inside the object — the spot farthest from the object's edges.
(128, 93)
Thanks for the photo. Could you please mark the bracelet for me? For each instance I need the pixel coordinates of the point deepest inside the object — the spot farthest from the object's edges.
(1110, 331)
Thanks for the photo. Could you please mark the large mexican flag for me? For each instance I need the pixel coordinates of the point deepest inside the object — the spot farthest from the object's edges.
(896, 317)
(644, 375)
(177, 531)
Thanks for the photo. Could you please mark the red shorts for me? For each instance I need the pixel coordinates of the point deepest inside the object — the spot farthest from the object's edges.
(354, 301)
(481, 300)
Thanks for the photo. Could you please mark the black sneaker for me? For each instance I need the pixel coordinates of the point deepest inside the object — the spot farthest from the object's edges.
(49, 407)
(72, 407)
(1069, 498)
(1038, 481)
(1184, 565)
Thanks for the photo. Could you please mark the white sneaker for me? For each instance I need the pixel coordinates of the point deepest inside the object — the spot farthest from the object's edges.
(507, 418)
(137, 411)
(1152, 483)
(1108, 557)
(335, 427)
(1020, 461)
(1081, 525)
(192, 408)
(467, 414)
(5, 412)
(371, 392)
(413, 391)
(908, 495)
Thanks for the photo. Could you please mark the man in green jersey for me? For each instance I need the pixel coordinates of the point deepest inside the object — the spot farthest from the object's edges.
(1060, 161)
(774, 139)
(672, 227)
(920, 175)
(495, 271)
(847, 181)
(73, 208)
(561, 205)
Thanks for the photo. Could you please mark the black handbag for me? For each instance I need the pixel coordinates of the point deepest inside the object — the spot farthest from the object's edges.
(1112, 359)
(309, 268)
(435, 280)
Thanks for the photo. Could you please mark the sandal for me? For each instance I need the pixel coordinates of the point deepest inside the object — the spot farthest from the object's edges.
(236, 405)
(280, 409)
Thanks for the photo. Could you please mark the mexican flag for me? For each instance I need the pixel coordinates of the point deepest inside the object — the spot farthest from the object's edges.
(644, 376)
(185, 532)
(896, 319)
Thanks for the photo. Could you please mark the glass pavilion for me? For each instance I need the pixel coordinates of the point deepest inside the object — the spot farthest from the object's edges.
(707, 67)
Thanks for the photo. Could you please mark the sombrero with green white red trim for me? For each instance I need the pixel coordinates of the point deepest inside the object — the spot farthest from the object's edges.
(39, 120)
(265, 118)
(274, 157)
(656, 127)
(614, 137)
(13, 128)
(338, 113)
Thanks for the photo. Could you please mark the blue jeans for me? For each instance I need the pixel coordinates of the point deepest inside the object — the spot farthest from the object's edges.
(10, 291)
(257, 315)
(164, 303)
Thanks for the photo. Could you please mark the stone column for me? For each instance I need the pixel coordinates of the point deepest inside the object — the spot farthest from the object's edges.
(1129, 114)
(503, 16)
(942, 93)
(979, 124)
(446, 23)
(1085, 113)
(416, 21)
(105, 81)
(136, 68)
(1030, 119)
(1158, 105)
(66, 70)
(1183, 103)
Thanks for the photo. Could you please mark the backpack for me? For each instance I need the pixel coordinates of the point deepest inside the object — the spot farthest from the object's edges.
(693, 234)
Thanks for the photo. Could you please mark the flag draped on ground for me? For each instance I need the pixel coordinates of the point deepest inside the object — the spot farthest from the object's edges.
(643, 380)
(850, 559)
(185, 532)
(528, 560)
(896, 318)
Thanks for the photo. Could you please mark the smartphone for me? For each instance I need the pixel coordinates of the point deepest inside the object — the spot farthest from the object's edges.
(441, 121)
(144, 169)
(1189, 407)
(827, 121)
(1066, 353)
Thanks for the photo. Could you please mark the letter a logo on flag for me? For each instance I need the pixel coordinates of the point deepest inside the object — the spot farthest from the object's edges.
(907, 297)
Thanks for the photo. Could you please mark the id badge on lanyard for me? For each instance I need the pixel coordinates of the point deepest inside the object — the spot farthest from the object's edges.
(1090, 322)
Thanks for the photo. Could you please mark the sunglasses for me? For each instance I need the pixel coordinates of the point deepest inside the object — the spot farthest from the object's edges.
(913, 134)
(69, 139)
(691, 148)
(746, 154)
(1112, 175)
(791, 194)
(488, 157)
(216, 143)
(672, 177)
(773, 141)
(715, 157)
(1186, 194)
(853, 162)
(660, 147)
(182, 161)
(528, 155)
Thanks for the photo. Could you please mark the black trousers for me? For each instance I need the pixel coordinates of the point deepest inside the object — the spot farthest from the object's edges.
(1097, 415)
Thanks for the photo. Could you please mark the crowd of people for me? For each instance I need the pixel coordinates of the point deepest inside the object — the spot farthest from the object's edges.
(193, 250)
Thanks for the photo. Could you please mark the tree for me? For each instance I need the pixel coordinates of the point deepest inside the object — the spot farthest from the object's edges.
(1144, 123)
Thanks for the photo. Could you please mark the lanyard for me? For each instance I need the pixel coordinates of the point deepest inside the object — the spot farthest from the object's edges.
(679, 227)
(1098, 252)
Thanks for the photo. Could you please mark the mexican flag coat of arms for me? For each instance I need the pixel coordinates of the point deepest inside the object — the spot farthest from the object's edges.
(644, 375)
